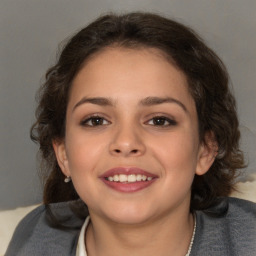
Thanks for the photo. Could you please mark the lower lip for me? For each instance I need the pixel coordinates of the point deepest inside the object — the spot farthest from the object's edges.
(128, 187)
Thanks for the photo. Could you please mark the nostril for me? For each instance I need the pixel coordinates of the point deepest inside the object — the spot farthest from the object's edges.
(134, 151)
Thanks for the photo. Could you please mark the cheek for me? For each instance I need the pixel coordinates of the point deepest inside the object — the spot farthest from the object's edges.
(83, 153)
(178, 157)
(83, 160)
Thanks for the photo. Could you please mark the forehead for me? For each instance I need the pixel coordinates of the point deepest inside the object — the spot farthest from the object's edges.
(123, 73)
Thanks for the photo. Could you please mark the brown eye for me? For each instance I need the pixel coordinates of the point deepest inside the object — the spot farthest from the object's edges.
(94, 121)
(161, 121)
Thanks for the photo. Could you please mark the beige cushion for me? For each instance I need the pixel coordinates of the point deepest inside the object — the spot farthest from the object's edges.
(246, 190)
(8, 221)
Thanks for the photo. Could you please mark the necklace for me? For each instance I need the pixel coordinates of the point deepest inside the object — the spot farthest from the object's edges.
(192, 240)
(81, 250)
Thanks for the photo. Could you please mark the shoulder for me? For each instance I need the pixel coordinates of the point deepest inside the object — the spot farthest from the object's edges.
(35, 236)
(237, 205)
(233, 233)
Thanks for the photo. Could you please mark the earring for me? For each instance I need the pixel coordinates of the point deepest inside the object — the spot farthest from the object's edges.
(67, 179)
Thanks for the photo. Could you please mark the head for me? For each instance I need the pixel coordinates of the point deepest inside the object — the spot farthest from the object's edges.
(207, 82)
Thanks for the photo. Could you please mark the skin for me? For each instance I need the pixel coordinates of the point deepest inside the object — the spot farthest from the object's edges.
(161, 138)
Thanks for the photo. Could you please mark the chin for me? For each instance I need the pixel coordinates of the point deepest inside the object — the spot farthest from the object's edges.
(129, 215)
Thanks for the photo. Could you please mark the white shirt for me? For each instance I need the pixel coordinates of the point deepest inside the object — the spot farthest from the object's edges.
(81, 249)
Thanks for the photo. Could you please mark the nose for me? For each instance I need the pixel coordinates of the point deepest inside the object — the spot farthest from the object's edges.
(127, 142)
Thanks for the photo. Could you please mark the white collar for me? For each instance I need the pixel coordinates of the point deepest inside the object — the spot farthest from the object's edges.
(81, 249)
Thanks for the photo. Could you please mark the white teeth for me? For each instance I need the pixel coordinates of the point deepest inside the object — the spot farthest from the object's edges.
(139, 177)
(132, 178)
(123, 178)
(128, 178)
(116, 178)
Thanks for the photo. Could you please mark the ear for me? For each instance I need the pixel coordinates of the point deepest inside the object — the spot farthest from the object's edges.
(61, 155)
(207, 152)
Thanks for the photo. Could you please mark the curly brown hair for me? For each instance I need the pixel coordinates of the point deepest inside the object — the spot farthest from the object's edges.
(208, 83)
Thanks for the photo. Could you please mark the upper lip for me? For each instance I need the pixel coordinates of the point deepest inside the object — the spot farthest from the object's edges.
(127, 171)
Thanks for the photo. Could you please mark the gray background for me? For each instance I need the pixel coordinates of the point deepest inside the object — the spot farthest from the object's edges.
(30, 33)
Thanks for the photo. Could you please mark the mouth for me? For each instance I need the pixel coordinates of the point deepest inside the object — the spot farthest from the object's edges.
(128, 179)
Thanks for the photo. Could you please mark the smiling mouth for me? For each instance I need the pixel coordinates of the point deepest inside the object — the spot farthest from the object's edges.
(131, 178)
(128, 179)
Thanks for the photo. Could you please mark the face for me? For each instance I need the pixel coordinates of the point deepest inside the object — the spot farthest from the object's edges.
(132, 146)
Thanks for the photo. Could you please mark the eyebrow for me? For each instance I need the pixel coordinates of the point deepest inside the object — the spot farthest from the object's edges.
(97, 101)
(149, 101)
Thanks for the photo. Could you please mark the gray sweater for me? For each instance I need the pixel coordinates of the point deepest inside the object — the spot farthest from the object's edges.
(230, 235)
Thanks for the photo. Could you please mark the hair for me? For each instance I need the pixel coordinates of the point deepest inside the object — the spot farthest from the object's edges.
(208, 83)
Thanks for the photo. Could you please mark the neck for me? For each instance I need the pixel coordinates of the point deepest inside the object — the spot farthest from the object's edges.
(168, 235)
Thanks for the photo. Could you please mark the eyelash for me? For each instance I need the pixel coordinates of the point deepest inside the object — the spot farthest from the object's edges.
(167, 121)
(101, 121)
(94, 118)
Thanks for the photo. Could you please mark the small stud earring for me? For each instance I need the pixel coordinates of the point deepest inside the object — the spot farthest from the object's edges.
(67, 179)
